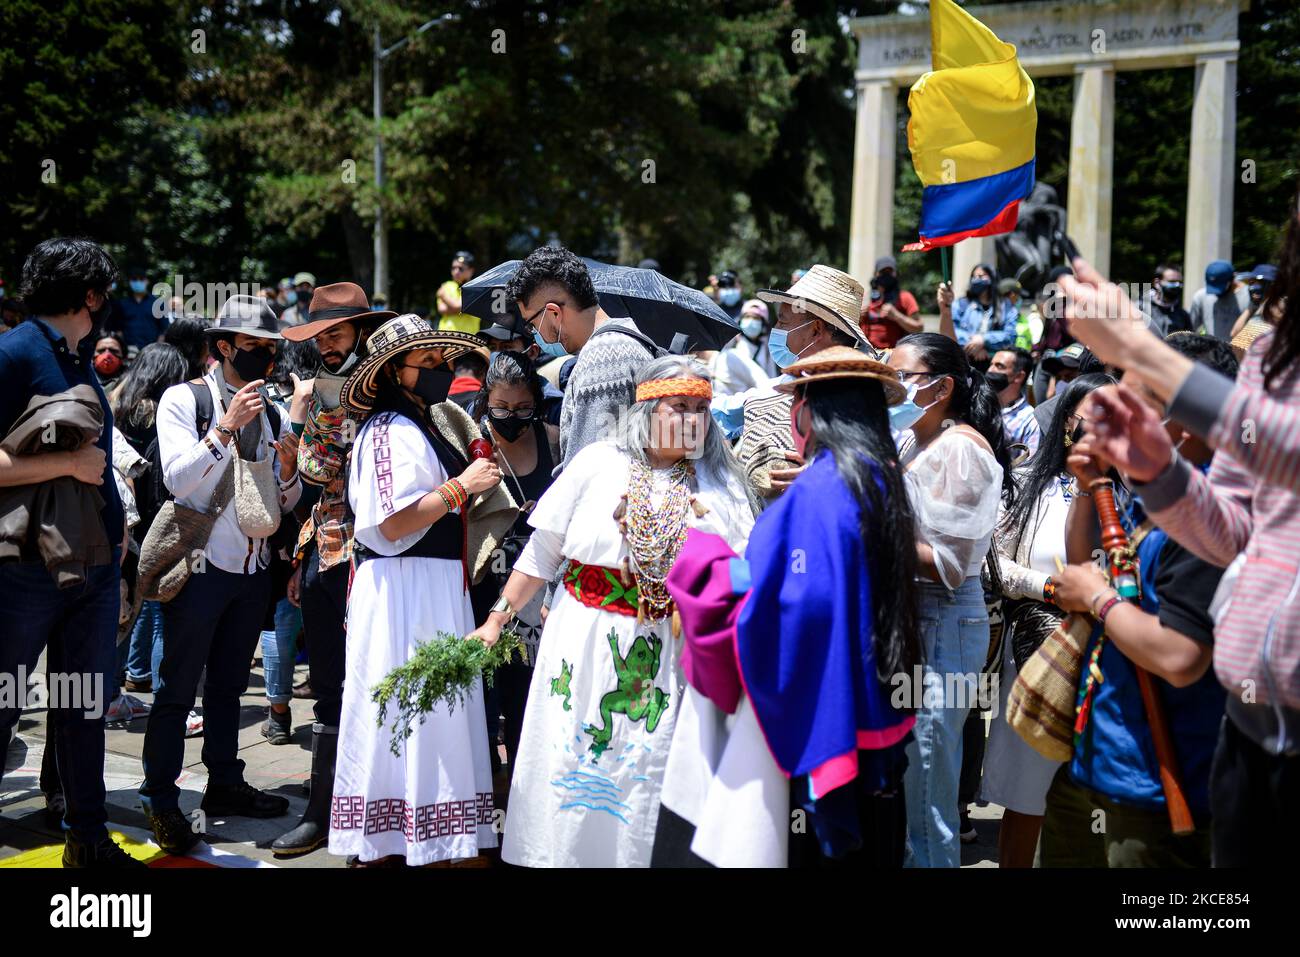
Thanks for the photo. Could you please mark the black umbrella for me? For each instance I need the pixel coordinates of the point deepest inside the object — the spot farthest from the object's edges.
(661, 308)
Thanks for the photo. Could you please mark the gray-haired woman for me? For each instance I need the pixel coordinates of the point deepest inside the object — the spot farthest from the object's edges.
(606, 684)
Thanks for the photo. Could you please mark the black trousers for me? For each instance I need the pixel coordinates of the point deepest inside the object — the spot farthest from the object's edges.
(1254, 803)
(324, 600)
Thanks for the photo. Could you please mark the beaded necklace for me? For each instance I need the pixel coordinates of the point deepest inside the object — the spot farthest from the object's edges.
(655, 535)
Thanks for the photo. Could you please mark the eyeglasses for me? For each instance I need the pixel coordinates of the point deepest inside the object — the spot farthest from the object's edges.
(501, 414)
(904, 374)
(529, 320)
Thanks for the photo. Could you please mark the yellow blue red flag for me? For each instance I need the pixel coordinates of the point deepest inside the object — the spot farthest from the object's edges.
(971, 132)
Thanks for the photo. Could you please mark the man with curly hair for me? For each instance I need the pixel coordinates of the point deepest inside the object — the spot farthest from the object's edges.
(555, 296)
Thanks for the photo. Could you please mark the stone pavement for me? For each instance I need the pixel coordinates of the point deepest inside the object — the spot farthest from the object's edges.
(279, 769)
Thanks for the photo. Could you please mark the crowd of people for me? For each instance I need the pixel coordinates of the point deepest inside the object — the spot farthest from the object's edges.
(767, 594)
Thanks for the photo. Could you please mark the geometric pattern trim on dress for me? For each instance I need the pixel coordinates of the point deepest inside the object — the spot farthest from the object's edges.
(352, 812)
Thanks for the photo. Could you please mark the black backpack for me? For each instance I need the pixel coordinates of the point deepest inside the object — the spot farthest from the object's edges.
(678, 346)
(151, 492)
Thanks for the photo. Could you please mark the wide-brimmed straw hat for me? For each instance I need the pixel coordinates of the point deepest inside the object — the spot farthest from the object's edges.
(332, 304)
(393, 337)
(826, 294)
(841, 362)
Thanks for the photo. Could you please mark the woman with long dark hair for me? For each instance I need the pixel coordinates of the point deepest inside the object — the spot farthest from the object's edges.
(983, 321)
(1031, 536)
(1246, 506)
(509, 408)
(414, 494)
(803, 643)
(157, 367)
(958, 474)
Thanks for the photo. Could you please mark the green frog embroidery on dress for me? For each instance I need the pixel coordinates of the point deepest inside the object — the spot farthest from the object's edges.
(560, 685)
(636, 695)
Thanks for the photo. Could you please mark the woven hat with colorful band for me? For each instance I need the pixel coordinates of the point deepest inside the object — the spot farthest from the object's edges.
(662, 388)
(396, 336)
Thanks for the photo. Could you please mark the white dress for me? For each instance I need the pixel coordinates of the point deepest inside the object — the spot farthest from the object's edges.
(1015, 775)
(586, 789)
(434, 802)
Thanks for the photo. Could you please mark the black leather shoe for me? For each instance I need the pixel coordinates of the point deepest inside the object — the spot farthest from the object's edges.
(242, 800)
(105, 855)
(173, 831)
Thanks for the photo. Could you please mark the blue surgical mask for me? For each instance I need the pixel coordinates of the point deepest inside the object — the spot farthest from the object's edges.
(138, 286)
(907, 413)
(751, 326)
(979, 287)
(729, 296)
(781, 353)
(552, 349)
(291, 296)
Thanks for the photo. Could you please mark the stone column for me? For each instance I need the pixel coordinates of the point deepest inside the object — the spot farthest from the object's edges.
(1212, 169)
(1092, 153)
(871, 230)
(968, 254)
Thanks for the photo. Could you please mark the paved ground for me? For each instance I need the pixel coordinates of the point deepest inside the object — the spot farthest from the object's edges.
(280, 769)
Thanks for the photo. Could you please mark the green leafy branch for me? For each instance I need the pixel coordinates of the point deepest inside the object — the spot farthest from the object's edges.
(442, 671)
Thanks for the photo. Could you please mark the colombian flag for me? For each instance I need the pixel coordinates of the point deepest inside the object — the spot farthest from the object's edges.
(971, 133)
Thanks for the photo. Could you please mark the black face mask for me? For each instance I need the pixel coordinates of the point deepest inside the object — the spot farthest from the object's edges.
(432, 385)
(998, 380)
(252, 364)
(510, 428)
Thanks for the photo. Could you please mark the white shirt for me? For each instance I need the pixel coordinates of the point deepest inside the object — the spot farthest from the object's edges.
(955, 486)
(192, 468)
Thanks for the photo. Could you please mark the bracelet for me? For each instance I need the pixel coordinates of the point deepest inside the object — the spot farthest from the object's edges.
(1105, 609)
(462, 495)
(503, 606)
(224, 431)
(1092, 602)
(1080, 493)
(446, 500)
(1049, 591)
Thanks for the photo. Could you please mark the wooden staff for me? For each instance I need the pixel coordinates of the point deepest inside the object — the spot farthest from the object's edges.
(1123, 579)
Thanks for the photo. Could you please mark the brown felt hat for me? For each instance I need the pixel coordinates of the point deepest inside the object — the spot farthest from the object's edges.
(332, 304)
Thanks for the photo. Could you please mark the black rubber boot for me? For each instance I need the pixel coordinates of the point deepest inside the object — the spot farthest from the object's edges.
(313, 830)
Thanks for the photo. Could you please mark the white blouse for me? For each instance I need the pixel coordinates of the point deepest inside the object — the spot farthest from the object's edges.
(393, 466)
(574, 518)
(955, 487)
(1027, 564)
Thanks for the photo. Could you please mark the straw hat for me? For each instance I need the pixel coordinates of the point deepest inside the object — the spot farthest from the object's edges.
(1251, 331)
(827, 294)
(841, 362)
(393, 337)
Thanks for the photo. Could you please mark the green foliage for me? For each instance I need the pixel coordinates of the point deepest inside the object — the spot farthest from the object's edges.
(442, 671)
(249, 156)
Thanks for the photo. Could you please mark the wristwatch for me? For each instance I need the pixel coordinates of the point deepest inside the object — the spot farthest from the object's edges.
(224, 431)
(503, 606)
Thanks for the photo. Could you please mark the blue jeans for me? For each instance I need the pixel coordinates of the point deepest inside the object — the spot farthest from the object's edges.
(146, 643)
(955, 641)
(78, 627)
(215, 620)
(278, 652)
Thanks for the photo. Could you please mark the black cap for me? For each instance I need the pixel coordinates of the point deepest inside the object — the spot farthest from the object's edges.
(728, 278)
(463, 256)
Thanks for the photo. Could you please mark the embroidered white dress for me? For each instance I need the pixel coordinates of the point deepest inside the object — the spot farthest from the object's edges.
(606, 690)
(434, 802)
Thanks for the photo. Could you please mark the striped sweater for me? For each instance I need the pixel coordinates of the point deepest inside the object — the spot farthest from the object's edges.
(1249, 502)
(601, 389)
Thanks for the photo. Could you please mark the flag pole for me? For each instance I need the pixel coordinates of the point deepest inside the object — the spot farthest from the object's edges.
(944, 266)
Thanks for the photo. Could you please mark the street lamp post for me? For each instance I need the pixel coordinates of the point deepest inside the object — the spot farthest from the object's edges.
(381, 53)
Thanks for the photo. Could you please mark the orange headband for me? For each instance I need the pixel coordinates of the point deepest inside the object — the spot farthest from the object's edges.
(660, 388)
